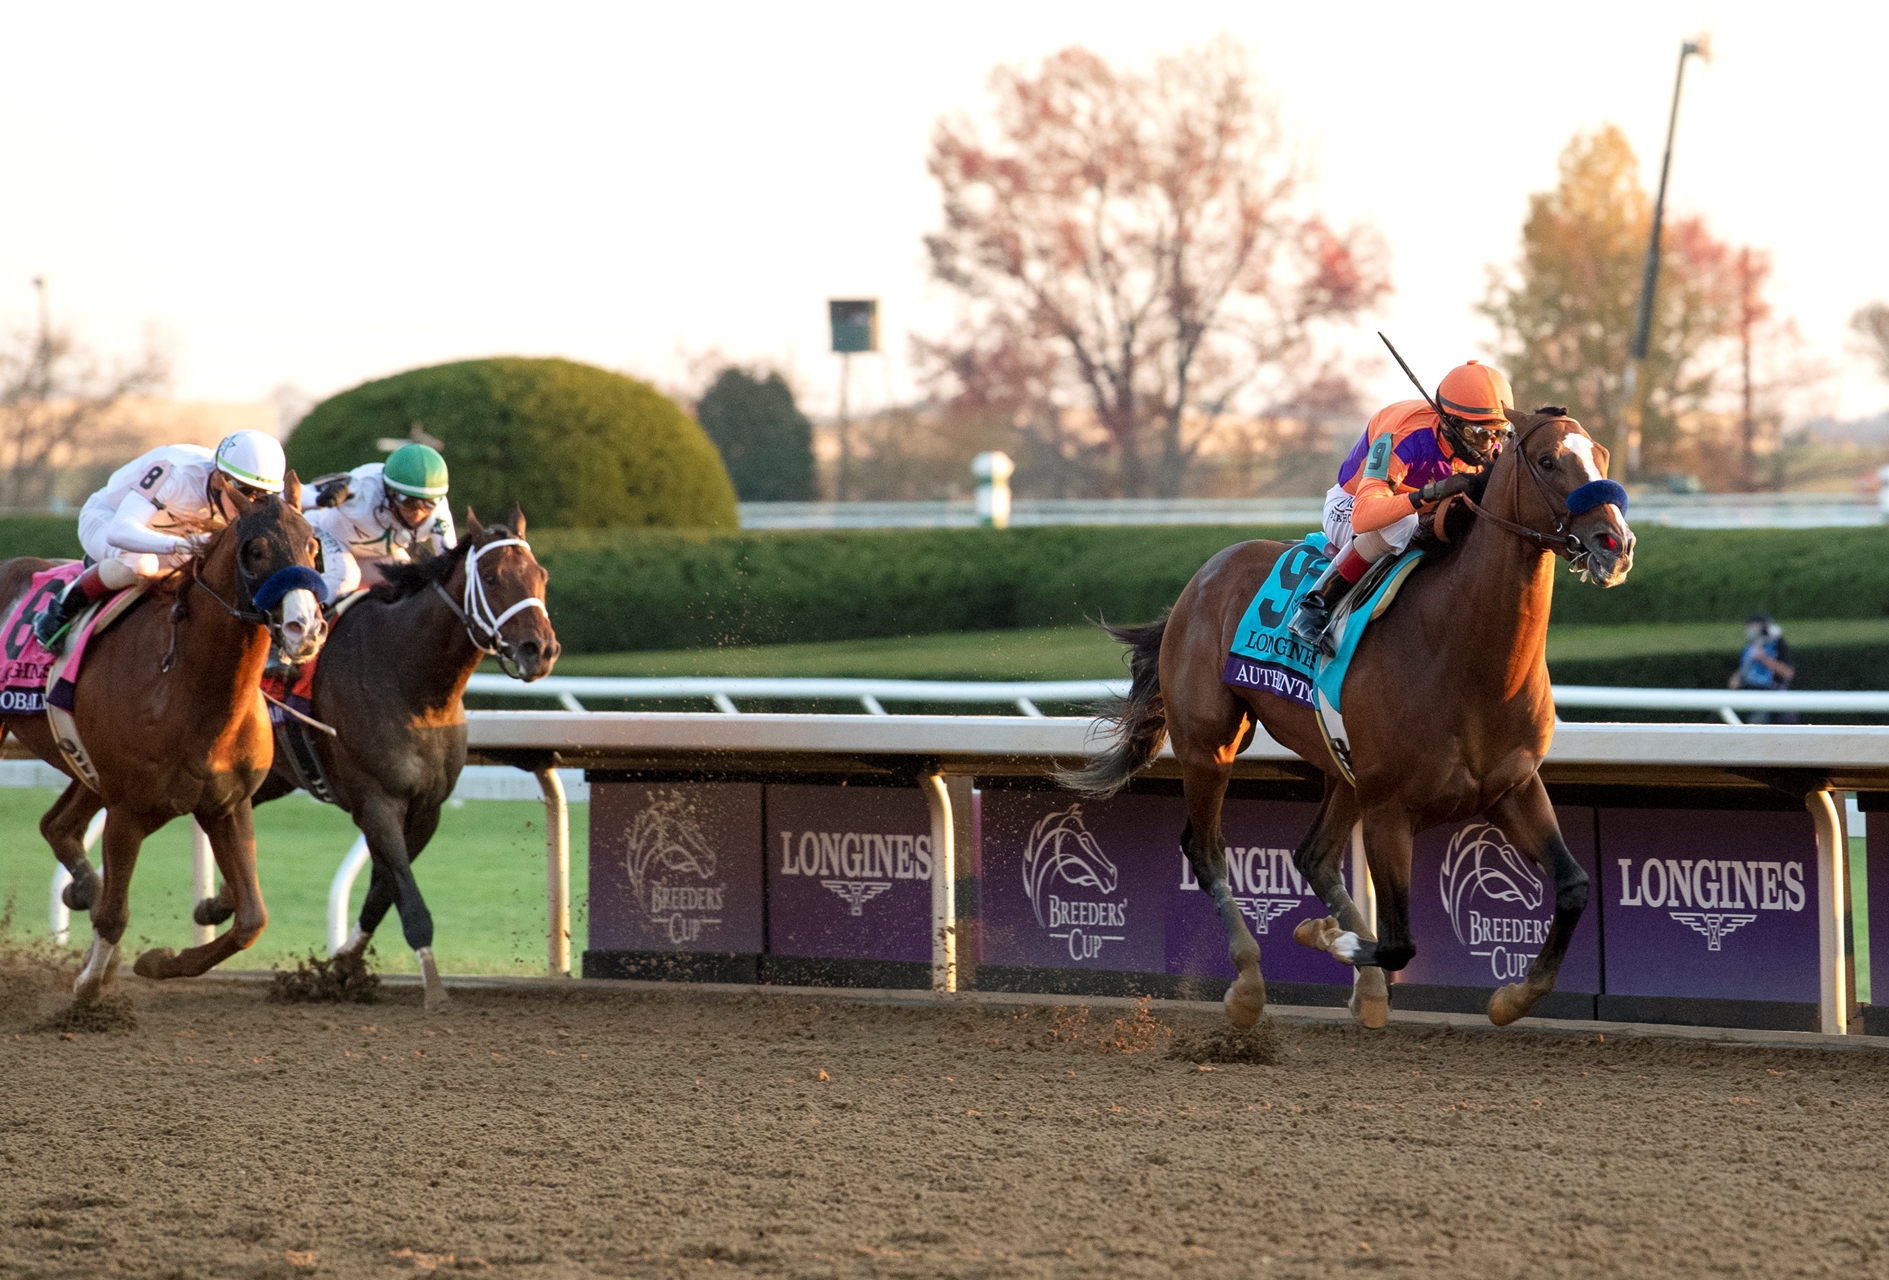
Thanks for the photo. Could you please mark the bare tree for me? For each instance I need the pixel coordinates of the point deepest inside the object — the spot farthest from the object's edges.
(1148, 237)
(1871, 323)
(58, 399)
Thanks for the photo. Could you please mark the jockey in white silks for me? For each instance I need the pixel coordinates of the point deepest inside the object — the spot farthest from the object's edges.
(377, 511)
(158, 511)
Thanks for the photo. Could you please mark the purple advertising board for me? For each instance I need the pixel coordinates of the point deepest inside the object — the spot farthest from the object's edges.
(1709, 903)
(675, 867)
(1082, 884)
(849, 873)
(1480, 908)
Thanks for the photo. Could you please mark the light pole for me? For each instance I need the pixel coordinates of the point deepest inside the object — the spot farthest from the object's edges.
(1643, 327)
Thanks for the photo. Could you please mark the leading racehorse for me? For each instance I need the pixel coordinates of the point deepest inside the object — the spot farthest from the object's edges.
(391, 683)
(1447, 704)
(169, 709)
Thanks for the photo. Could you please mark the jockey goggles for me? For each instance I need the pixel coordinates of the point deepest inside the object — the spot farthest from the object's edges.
(411, 508)
(247, 492)
(1476, 443)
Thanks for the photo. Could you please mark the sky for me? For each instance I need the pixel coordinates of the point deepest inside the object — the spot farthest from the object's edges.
(320, 195)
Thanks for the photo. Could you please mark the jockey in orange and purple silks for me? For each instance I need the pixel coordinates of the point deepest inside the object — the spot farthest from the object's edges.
(1407, 458)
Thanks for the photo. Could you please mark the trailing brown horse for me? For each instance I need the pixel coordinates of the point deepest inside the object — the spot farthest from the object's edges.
(169, 709)
(1447, 704)
(391, 683)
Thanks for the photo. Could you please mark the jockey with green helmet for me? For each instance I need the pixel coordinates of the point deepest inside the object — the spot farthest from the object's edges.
(157, 511)
(375, 512)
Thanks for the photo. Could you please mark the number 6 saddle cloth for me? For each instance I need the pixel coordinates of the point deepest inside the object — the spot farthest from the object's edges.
(34, 679)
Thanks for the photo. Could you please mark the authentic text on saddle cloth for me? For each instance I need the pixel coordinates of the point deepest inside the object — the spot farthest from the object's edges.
(1267, 657)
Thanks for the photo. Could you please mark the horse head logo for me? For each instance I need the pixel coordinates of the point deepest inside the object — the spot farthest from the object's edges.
(1481, 859)
(666, 836)
(1061, 847)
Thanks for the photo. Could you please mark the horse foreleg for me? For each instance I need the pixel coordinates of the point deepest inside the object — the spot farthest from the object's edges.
(1526, 817)
(1205, 787)
(382, 821)
(122, 839)
(233, 841)
(1320, 860)
(63, 826)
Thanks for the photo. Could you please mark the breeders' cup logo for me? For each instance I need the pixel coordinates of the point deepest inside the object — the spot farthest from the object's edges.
(1062, 854)
(1254, 875)
(856, 866)
(1729, 893)
(1482, 875)
(665, 840)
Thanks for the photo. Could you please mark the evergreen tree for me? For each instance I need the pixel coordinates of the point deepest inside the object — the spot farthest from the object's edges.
(765, 440)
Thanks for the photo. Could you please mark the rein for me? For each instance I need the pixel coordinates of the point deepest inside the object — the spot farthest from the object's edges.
(476, 614)
(1562, 541)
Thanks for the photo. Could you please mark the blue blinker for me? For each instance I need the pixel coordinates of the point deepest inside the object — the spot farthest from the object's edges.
(296, 577)
(1597, 493)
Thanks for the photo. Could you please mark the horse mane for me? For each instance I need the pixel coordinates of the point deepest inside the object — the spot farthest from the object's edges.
(398, 581)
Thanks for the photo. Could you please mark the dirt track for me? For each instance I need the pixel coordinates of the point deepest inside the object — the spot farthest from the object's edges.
(633, 1134)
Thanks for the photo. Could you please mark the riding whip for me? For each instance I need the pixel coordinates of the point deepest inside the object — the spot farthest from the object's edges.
(1413, 377)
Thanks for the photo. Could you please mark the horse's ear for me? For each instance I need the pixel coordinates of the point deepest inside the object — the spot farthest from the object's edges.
(1602, 456)
(1516, 417)
(472, 522)
(292, 491)
(517, 521)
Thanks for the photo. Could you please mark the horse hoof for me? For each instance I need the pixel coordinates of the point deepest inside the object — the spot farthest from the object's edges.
(1245, 1000)
(210, 912)
(1371, 999)
(434, 997)
(1509, 1003)
(82, 892)
(437, 1001)
(1316, 934)
(154, 963)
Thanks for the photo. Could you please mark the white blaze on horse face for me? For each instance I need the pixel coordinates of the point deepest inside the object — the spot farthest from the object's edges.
(1583, 450)
(300, 617)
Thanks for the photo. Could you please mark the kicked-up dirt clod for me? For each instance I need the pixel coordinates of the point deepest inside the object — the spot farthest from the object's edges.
(348, 978)
(607, 1131)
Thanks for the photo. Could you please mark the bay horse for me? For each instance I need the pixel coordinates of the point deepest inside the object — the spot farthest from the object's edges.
(391, 683)
(169, 708)
(1447, 704)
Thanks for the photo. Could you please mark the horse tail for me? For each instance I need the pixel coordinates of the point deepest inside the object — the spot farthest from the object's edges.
(1139, 721)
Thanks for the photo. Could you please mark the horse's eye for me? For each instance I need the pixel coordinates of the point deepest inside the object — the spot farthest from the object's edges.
(1547, 462)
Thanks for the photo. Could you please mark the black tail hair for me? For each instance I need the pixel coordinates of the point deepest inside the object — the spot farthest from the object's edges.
(1139, 720)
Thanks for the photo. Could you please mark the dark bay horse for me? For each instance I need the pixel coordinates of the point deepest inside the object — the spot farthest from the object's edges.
(1447, 703)
(391, 683)
(170, 711)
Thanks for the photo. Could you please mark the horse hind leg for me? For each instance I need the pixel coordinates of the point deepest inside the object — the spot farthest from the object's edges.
(1201, 841)
(64, 826)
(233, 840)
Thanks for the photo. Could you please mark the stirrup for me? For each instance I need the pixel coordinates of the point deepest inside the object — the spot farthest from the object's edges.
(1310, 621)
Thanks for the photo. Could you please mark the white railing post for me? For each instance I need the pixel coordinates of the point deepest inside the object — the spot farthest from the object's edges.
(1833, 875)
(202, 881)
(944, 889)
(340, 889)
(557, 841)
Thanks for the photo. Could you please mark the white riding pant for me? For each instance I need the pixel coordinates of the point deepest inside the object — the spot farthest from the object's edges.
(1372, 546)
(339, 569)
(116, 568)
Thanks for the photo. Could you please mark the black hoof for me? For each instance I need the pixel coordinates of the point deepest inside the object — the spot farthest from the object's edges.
(82, 892)
(211, 912)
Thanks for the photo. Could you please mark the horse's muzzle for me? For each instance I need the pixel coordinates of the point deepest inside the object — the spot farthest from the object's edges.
(299, 629)
(534, 656)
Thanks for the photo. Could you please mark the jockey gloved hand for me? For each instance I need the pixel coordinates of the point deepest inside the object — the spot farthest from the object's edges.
(1437, 490)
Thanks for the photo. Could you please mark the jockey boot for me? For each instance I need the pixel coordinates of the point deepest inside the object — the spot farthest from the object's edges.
(1313, 617)
(49, 627)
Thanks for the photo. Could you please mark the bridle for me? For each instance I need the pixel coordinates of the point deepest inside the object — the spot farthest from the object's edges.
(475, 612)
(1563, 541)
(263, 597)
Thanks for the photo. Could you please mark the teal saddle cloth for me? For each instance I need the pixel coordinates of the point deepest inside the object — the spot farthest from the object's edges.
(1266, 656)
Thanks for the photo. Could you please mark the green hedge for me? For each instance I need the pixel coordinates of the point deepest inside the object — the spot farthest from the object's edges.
(49, 537)
(580, 447)
(619, 590)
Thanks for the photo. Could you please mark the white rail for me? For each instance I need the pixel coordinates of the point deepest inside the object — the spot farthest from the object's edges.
(1025, 695)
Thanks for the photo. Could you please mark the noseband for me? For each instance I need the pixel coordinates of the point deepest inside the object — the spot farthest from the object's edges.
(476, 614)
(1563, 541)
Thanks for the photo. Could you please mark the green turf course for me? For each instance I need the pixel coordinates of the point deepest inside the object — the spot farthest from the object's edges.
(483, 876)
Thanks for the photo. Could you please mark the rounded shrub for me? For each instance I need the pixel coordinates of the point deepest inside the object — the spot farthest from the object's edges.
(574, 445)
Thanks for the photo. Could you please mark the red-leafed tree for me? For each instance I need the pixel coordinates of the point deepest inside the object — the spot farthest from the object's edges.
(1139, 245)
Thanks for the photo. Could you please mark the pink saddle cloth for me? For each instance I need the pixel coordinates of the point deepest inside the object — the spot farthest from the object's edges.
(25, 663)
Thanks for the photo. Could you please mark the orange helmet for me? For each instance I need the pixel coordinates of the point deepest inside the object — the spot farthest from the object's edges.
(1475, 392)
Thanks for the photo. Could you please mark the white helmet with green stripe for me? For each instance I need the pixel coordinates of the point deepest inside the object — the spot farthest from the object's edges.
(416, 470)
(253, 459)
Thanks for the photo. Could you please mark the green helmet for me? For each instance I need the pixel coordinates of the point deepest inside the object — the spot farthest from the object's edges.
(416, 470)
